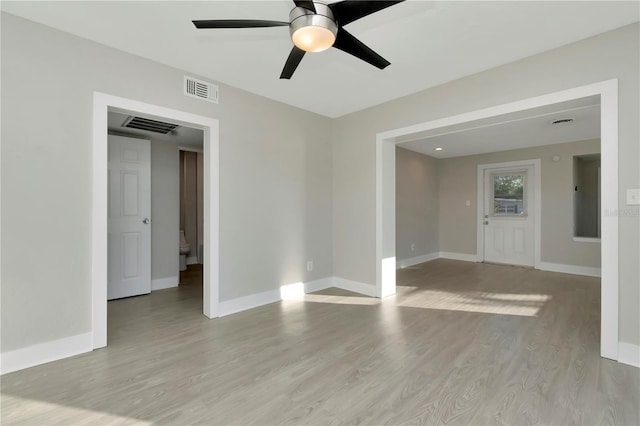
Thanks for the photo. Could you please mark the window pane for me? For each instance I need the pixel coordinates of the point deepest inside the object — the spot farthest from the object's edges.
(508, 194)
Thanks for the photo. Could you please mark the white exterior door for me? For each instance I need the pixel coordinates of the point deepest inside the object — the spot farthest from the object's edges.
(508, 218)
(129, 240)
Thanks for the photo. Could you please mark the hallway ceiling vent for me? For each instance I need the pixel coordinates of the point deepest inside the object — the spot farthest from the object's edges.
(140, 123)
(562, 121)
(200, 89)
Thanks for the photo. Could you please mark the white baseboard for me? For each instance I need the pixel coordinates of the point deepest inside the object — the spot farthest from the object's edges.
(193, 260)
(458, 256)
(629, 354)
(162, 283)
(46, 352)
(355, 286)
(271, 296)
(240, 304)
(433, 256)
(318, 285)
(416, 260)
(569, 269)
(543, 266)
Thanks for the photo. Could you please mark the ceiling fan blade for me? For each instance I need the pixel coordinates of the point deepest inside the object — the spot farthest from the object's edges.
(238, 23)
(351, 45)
(307, 4)
(348, 11)
(292, 62)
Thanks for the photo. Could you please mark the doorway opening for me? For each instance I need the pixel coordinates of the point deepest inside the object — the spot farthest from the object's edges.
(191, 169)
(607, 93)
(103, 104)
(155, 196)
(191, 163)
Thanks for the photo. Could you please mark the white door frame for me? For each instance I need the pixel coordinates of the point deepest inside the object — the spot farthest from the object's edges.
(385, 194)
(102, 104)
(537, 198)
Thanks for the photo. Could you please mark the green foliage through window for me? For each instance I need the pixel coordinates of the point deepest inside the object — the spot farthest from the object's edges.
(508, 186)
(508, 194)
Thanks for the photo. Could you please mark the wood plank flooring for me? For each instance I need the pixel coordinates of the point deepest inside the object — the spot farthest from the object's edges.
(461, 343)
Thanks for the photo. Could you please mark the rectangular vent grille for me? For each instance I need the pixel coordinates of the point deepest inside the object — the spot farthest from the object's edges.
(200, 89)
(149, 125)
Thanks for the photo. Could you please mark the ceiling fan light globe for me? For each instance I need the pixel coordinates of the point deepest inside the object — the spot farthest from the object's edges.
(313, 32)
(313, 38)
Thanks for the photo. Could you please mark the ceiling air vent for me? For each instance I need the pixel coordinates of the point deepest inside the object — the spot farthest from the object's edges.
(562, 121)
(149, 125)
(200, 89)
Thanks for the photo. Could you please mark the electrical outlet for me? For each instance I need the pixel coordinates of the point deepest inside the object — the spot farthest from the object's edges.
(309, 265)
(413, 247)
(633, 197)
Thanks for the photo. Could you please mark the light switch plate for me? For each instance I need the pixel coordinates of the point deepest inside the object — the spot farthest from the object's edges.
(633, 197)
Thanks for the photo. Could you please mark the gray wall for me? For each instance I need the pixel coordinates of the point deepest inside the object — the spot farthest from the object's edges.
(416, 204)
(458, 182)
(165, 209)
(610, 55)
(275, 179)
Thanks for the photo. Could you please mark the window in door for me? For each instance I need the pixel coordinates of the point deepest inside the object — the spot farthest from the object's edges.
(509, 193)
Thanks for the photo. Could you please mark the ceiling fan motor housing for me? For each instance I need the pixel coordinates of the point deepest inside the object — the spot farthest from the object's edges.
(313, 32)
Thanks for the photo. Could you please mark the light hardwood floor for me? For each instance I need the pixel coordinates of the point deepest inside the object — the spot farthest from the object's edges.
(460, 343)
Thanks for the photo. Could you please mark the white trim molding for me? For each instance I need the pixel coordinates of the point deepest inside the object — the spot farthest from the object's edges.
(355, 286)
(438, 255)
(43, 353)
(102, 104)
(629, 354)
(288, 291)
(405, 263)
(318, 285)
(162, 283)
(244, 303)
(385, 192)
(570, 269)
(458, 256)
(586, 240)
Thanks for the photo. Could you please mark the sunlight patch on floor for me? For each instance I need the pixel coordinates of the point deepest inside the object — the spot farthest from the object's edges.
(296, 291)
(476, 301)
(16, 407)
(413, 297)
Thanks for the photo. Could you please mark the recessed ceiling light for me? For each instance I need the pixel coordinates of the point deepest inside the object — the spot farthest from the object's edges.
(439, 148)
(562, 121)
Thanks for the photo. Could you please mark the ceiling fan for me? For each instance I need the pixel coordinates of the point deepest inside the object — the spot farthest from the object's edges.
(315, 26)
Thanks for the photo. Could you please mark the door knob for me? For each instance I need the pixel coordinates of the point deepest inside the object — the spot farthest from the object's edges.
(146, 221)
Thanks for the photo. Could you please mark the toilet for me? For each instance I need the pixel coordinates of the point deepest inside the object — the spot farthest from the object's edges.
(184, 251)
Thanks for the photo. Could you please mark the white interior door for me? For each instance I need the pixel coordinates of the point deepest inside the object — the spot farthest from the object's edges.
(509, 216)
(129, 240)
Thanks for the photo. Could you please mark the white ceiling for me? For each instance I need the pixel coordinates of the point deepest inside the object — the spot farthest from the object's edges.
(182, 136)
(521, 129)
(427, 43)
